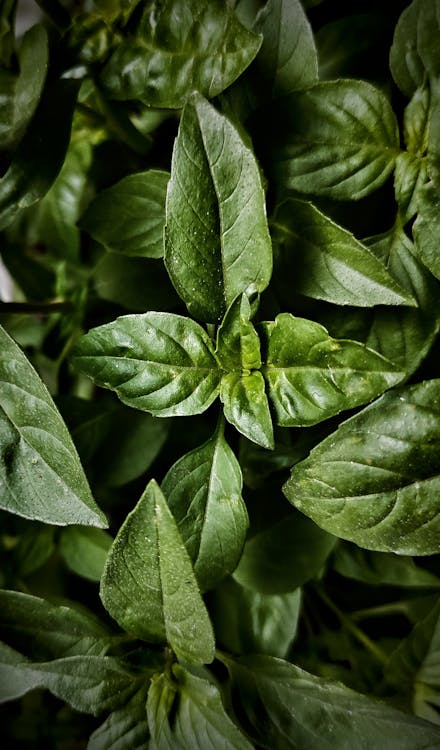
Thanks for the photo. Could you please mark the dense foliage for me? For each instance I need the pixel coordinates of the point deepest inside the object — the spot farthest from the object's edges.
(219, 384)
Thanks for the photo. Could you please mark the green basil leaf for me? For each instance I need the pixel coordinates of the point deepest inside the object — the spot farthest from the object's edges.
(287, 708)
(381, 568)
(247, 621)
(185, 711)
(238, 345)
(40, 155)
(25, 89)
(426, 228)
(416, 120)
(85, 550)
(203, 489)
(345, 45)
(245, 405)
(43, 631)
(313, 156)
(312, 376)
(415, 49)
(138, 284)
(34, 547)
(280, 557)
(157, 362)
(217, 243)
(126, 728)
(179, 47)
(287, 60)
(375, 480)
(410, 176)
(322, 260)
(91, 684)
(137, 207)
(15, 680)
(414, 667)
(149, 586)
(42, 477)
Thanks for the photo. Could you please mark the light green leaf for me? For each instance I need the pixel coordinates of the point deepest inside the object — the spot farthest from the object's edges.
(179, 47)
(414, 667)
(137, 284)
(245, 405)
(157, 362)
(85, 550)
(126, 728)
(338, 139)
(149, 585)
(426, 228)
(287, 60)
(322, 260)
(203, 489)
(137, 207)
(238, 345)
(416, 120)
(24, 89)
(15, 679)
(312, 376)
(415, 48)
(217, 243)
(185, 712)
(246, 621)
(287, 708)
(375, 481)
(381, 568)
(284, 554)
(41, 476)
(40, 155)
(43, 631)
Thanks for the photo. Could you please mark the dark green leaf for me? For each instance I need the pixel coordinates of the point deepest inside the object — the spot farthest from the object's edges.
(85, 550)
(179, 47)
(375, 480)
(287, 60)
(247, 621)
(217, 243)
(40, 155)
(138, 284)
(313, 157)
(126, 728)
(312, 376)
(203, 489)
(238, 345)
(136, 206)
(280, 557)
(409, 178)
(34, 548)
(415, 48)
(381, 568)
(246, 406)
(322, 260)
(157, 362)
(185, 712)
(42, 477)
(289, 709)
(346, 43)
(149, 585)
(427, 228)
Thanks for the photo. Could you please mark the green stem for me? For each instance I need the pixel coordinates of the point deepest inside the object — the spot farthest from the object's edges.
(356, 632)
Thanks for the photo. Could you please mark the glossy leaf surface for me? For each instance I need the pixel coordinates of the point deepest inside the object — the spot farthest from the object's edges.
(246, 406)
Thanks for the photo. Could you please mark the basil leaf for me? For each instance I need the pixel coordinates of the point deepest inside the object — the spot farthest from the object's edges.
(322, 260)
(42, 477)
(415, 48)
(34, 547)
(126, 728)
(245, 405)
(157, 362)
(217, 243)
(313, 157)
(286, 707)
(238, 345)
(40, 155)
(409, 178)
(137, 207)
(281, 556)
(185, 711)
(287, 60)
(375, 480)
(149, 586)
(312, 377)
(426, 228)
(414, 667)
(179, 47)
(203, 489)
(346, 45)
(15, 680)
(247, 621)
(44, 631)
(85, 551)
(381, 568)
(138, 284)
